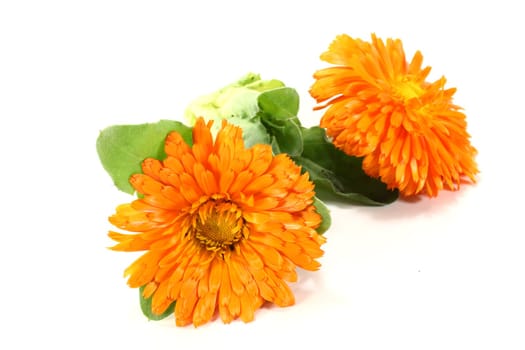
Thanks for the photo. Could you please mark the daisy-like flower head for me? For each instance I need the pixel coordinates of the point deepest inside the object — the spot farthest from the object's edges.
(223, 227)
(381, 108)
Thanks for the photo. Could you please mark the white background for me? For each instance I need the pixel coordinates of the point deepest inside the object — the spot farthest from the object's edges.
(445, 273)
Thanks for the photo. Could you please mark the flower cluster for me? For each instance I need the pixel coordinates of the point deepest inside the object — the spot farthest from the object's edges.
(230, 206)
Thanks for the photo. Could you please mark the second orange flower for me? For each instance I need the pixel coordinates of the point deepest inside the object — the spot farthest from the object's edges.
(380, 107)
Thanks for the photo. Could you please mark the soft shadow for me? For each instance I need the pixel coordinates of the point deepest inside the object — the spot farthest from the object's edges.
(415, 206)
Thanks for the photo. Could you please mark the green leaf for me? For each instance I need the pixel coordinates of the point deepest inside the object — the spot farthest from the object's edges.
(145, 306)
(286, 135)
(122, 148)
(322, 210)
(338, 176)
(278, 114)
(281, 103)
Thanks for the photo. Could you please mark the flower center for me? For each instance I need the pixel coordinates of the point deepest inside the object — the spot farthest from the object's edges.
(218, 225)
(407, 89)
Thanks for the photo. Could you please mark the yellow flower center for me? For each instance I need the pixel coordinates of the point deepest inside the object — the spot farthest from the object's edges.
(407, 89)
(218, 225)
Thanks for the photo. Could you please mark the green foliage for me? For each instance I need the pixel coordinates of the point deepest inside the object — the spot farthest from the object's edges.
(278, 113)
(338, 176)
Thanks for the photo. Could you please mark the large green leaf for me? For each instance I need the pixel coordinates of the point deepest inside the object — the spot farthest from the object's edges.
(278, 114)
(338, 176)
(145, 306)
(122, 148)
(282, 103)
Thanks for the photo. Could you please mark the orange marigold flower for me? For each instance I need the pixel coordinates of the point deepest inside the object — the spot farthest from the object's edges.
(381, 108)
(223, 227)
